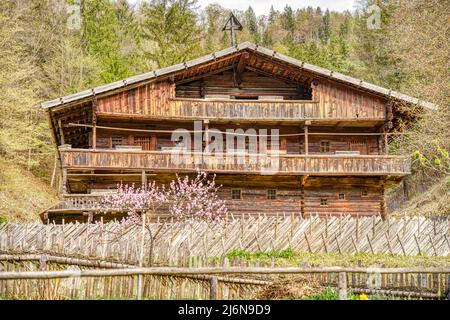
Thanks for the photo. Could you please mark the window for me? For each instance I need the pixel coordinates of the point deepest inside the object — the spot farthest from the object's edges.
(341, 196)
(271, 194)
(236, 194)
(116, 141)
(143, 141)
(364, 193)
(323, 202)
(324, 146)
(246, 97)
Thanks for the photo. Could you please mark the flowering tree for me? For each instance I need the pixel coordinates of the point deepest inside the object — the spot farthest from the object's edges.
(187, 199)
(195, 199)
(131, 199)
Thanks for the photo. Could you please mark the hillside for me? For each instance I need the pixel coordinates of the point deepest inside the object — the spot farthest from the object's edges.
(22, 195)
(435, 201)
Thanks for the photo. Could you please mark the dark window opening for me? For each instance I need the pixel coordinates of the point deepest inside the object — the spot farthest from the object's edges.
(245, 97)
(341, 196)
(271, 194)
(323, 202)
(364, 193)
(236, 194)
(324, 146)
(116, 141)
(143, 141)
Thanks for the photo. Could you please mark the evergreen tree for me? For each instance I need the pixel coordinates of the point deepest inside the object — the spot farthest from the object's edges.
(101, 40)
(325, 28)
(378, 65)
(288, 21)
(272, 15)
(170, 27)
(252, 25)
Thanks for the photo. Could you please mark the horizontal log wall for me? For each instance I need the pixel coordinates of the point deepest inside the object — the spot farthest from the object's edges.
(252, 85)
(365, 145)
(287, 164)
(254, 200)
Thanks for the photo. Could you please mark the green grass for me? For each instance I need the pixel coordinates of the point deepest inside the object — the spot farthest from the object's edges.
(332, 294)
(288, 257)
(22, 194)
(284, 254)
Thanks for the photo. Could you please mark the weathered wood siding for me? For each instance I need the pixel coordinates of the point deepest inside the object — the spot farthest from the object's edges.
(149, 99)
(252, 85)
(219, 109)
(359, 199)
(289, 201)
(329, 100)
(342, 102)
(254, 200)
(291, 144)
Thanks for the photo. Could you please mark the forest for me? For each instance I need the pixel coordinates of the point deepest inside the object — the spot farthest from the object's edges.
(52, 48)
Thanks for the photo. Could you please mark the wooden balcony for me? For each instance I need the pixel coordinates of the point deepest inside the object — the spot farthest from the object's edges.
(246, 110)
(157, 161)
(240, 110)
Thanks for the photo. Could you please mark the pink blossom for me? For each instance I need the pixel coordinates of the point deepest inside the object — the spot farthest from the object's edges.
(187, 199)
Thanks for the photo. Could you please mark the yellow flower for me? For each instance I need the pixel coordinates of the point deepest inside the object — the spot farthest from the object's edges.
(363, 296)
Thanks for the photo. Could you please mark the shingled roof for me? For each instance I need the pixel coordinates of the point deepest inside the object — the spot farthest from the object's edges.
(165, 72)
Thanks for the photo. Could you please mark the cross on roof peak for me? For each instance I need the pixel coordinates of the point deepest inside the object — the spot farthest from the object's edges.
(232, 24)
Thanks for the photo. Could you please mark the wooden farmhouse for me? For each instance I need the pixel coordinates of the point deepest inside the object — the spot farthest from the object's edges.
(332, 154)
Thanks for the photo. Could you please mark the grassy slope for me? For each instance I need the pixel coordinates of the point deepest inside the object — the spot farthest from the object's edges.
(435, 201)
(22, 195)
(291, 258)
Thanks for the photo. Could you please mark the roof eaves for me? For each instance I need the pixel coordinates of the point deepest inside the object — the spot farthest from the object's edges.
(219, 54)
(139, 78)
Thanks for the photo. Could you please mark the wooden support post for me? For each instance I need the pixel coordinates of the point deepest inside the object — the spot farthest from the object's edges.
(383, 203)
(64, 181)
(141, 260)
(61, 132)
(386, 148)
(241, 66)
(43, 263)
(206, 138)
(94, 130)
(302, 195)
(342, 286)
(213, 288)
(306, 138)
(405, 189)
(144, 180)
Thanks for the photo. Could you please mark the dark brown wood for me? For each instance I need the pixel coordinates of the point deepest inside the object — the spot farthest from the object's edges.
(333, 143)
(306, 140)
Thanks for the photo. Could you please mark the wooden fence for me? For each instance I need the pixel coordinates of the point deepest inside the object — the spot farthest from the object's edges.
(203, 279)
(165, 243)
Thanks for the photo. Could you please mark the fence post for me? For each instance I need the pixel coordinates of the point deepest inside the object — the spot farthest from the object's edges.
(213, 288)
(342, 286)
(141, 260)
(43, 263)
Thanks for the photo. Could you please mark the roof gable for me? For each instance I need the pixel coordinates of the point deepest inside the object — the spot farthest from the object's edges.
(228, 55)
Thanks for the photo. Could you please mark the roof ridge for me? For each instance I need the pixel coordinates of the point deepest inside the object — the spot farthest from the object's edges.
(323, 72)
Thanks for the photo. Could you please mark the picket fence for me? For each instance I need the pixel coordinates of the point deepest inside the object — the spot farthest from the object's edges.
(165, 243)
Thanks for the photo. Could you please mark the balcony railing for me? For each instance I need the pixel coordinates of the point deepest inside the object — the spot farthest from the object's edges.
(245, 110)
(158, 161)
(242, 110)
